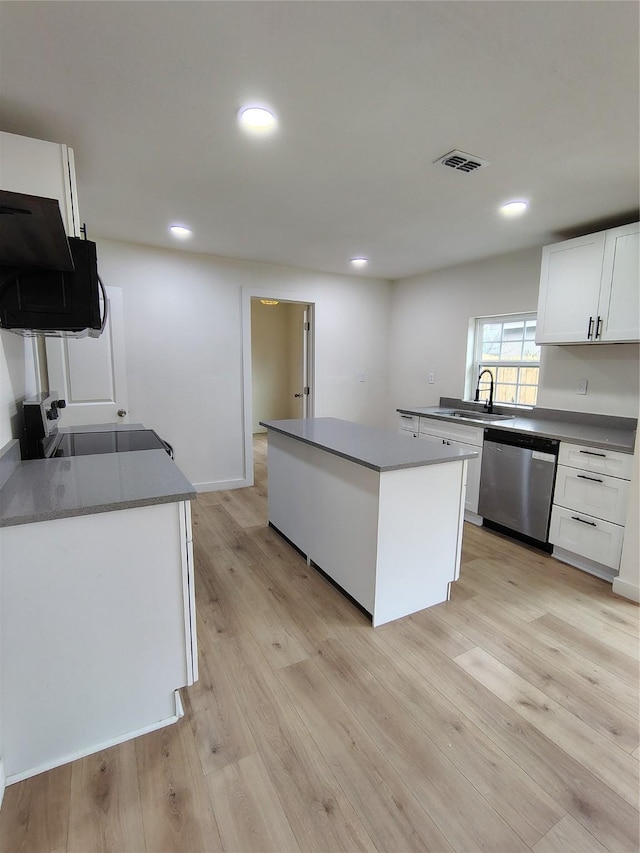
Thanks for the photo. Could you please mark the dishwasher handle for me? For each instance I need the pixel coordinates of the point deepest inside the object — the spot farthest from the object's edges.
(520, 439)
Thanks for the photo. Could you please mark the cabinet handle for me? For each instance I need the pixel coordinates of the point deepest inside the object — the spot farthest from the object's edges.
(593, 479)
(590, 329)
(592, 453)
(577, 518)
(598, 327)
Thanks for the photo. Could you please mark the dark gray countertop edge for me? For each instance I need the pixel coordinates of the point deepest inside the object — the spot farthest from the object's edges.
(458, 457)
(53, 515)
(541, 423)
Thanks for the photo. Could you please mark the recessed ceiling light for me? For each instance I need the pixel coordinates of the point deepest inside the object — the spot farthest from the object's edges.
(358, 262)
(513, 208)
(257, 119)
(269, 301)
(181, 231)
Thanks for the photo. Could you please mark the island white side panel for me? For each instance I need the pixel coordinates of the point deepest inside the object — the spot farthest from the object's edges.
(93, 641)
(344, 523)
(418, 538)
(290, 484)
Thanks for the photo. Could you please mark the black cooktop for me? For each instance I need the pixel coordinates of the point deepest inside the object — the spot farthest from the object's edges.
(120, 441)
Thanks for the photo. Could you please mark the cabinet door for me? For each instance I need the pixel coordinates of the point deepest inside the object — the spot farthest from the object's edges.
(36, 167)
(473, 476)
(620, 291)
(473, 468)
(569, 290)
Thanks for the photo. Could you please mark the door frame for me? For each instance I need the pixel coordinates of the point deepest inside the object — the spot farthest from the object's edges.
(249, 293)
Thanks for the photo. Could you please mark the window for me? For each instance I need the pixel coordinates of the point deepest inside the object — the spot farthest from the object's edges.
(506, 346)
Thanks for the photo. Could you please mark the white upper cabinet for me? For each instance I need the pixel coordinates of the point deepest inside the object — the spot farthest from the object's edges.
(620, 291)
(589, 289)
(46, 169)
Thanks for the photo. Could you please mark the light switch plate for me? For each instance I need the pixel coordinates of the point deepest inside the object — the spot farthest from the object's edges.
(582, 386)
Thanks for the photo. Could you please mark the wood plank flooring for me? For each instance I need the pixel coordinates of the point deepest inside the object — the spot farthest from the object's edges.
(504, 720)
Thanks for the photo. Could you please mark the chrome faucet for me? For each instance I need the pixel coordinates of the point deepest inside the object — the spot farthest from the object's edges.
(488, 405)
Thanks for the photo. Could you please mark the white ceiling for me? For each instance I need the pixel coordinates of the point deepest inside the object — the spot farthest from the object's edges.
(368, 95)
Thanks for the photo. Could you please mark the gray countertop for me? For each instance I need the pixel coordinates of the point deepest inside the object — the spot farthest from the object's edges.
(46, 489)
(590, 430)
(378, 449)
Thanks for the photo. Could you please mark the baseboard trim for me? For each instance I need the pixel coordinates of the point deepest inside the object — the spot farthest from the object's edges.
(626, 589)
(73, 756)
(473, 518)
(222, 485)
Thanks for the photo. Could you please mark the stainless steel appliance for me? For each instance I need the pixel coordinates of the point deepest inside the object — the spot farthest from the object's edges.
(516, 484)
(42, 440)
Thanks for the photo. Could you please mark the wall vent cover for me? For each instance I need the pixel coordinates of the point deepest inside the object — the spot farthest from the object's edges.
(462, 162)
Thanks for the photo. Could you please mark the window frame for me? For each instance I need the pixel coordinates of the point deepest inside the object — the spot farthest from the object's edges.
(475, 363)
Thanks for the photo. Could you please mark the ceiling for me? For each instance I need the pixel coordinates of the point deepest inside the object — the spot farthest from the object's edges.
(368, 95)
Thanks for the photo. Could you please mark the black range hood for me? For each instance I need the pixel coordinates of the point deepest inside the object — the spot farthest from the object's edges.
(32, 233)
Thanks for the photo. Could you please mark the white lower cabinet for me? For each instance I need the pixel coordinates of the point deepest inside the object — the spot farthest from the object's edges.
(467, 438)
(594, 494)
(98, 632)
(597, 540)
(589, 508)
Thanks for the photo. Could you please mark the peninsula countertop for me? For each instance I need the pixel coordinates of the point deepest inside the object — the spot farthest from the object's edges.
(378, 449)
(47, 489)
(603, 431)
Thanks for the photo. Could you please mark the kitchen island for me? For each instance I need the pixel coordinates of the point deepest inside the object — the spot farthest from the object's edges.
(97, 609)
(379, 514)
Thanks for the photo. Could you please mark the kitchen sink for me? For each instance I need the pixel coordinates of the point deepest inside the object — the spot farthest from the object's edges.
(473, 416)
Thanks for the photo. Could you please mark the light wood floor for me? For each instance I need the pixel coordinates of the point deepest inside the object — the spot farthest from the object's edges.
(504, 720)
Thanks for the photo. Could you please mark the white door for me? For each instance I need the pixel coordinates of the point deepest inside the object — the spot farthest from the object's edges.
(307, 403)
(89, 373)
(301, 361)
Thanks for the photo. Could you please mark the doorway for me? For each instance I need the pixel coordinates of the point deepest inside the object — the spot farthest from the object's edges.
(278, 364)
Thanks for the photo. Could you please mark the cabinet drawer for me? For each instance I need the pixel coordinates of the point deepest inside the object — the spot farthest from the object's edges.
(595, 494)
(457, 432)
(587, 536)
(609, 462)
(409, 423)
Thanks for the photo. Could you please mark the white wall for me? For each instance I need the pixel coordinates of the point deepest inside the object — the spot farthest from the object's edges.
(183, 327)
(17, 381)
(429, 327)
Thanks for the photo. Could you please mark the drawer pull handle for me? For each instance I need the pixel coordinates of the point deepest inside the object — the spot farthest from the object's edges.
(591, 453)
(593, 479)
(577, 518)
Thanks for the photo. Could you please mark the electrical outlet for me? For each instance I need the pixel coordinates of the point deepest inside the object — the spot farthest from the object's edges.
(362, 377)
(581, 388)
(432, 378)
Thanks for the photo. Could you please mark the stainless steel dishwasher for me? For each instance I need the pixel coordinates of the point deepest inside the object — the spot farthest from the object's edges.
(516, 484)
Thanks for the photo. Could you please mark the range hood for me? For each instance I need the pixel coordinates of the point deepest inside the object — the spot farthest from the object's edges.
(32, 233)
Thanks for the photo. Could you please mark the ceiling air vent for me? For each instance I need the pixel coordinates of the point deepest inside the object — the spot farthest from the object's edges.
(462, 162)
